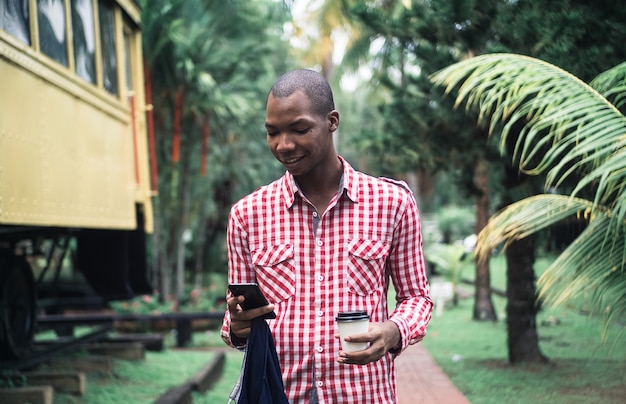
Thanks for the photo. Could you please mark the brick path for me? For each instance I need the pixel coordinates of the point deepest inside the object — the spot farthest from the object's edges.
(421, 381)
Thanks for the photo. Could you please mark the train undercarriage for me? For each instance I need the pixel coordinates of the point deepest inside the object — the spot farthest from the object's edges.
(46, 271)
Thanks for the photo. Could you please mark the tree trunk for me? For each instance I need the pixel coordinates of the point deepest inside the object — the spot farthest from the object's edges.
(155, 274)
(180, 246)
(170, 211)
(200, 247)
(422, 183)
(521, 309)
(483, 305)
(165, 270)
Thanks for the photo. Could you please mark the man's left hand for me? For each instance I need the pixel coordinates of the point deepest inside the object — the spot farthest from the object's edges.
(381, 337)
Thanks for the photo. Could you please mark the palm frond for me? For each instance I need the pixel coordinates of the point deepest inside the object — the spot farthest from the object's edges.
(527, 217)
(569, 130)
(593, 265)
(612, 85)
(568, 127)
(448, 258)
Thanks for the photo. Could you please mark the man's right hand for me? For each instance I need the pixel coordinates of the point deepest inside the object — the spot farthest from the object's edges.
(240, 320)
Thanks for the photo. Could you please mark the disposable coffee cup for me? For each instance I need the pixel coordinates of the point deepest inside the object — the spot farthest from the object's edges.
(350, 323)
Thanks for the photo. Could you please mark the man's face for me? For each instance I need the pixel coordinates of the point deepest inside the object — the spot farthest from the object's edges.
(298, 137)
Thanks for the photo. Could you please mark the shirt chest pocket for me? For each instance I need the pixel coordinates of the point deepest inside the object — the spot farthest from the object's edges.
(366, 265)
(275, 271)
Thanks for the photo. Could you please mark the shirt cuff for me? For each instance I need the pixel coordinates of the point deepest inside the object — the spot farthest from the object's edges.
(238, 342)
(396, 349)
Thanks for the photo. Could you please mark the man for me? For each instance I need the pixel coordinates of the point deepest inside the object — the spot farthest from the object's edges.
(320, 240)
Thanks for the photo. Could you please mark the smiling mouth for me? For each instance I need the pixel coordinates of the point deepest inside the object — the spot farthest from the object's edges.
(291, 160)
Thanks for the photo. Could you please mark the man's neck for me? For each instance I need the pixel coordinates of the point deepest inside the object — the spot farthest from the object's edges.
(320, 188)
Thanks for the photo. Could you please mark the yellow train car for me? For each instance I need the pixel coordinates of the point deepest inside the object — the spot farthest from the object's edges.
(74, 155)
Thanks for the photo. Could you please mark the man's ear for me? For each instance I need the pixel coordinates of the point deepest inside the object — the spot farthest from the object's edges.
(333, 120)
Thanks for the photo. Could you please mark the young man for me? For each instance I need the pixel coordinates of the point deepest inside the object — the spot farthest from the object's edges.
(323, 239)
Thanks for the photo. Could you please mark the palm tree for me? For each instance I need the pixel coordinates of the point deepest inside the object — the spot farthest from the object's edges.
(575, 135)
(209, 77)
(330, 18)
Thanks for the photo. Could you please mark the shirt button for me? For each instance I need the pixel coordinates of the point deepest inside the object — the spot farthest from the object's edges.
(314, 214)
(319, 383)
(319, 243)
(320, 313)
(320, 349)
(320, 278)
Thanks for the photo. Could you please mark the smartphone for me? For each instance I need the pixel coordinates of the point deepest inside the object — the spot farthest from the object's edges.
(253, 294)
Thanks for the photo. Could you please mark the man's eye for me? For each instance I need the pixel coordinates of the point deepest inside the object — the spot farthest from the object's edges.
(271, 133)
(302, 131)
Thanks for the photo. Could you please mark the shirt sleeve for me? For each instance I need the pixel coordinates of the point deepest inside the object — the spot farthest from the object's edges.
(408, 273)
(240, 268)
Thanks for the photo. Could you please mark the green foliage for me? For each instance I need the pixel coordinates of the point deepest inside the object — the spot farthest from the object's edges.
(415, 127)
(612, 85)
(10, 379)
(194, 300)
(554, 105)
(455, 223)
(145, 304)
(581, 37)
(573, 133)
(449, 260)
(211, 65)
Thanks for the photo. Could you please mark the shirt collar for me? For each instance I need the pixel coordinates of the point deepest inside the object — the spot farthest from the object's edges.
(347, 184)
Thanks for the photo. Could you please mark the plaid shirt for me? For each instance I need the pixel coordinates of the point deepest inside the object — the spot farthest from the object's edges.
(311, 267)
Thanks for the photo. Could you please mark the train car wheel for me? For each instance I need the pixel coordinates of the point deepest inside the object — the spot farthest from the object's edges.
(17, 307)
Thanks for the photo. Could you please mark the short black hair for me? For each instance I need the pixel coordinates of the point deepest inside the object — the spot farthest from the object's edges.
(314, 85)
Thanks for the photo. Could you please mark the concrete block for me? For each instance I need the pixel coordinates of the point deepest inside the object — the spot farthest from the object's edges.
(208, 375)
(91, 364)
(176, 395)
(131, 351)
(66, 382)
(151, 342)
(30, 395)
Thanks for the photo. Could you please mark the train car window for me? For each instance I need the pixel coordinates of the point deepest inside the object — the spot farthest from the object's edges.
(129, 60)
(107, 38)
(52, 34)
(84, 39)
(14, 19)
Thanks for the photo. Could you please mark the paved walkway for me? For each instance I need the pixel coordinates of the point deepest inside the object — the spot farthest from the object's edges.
(421, 381)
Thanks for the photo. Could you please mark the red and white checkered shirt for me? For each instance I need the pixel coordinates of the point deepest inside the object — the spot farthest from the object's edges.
(369, 233)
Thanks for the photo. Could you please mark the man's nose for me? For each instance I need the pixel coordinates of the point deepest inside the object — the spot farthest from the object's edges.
(285, 142)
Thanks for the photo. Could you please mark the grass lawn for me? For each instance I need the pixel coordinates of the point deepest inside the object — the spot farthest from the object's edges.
(140, 381)
(474, 355)
(144, 381)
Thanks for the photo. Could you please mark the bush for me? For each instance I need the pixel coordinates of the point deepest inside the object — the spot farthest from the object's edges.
(455, 223)
(205, 299)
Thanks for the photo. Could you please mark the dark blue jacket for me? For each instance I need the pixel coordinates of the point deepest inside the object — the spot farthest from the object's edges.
(262, 381)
